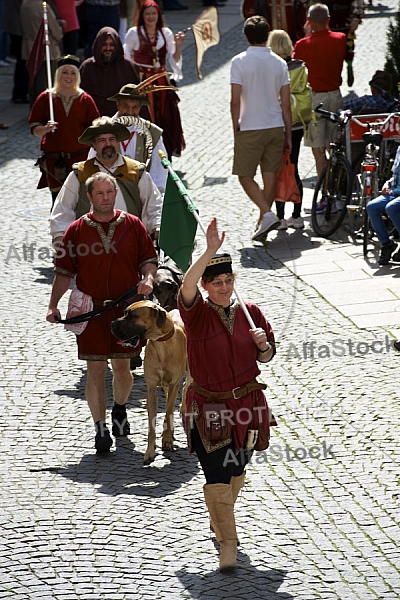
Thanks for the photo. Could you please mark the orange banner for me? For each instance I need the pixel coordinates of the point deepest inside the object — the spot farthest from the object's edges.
(206, 34)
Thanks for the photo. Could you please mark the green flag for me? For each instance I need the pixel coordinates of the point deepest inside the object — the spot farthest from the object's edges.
(178, 224)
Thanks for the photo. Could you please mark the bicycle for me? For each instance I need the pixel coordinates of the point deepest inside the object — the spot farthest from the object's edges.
(366, 185)
(371, 168)
(334, 186)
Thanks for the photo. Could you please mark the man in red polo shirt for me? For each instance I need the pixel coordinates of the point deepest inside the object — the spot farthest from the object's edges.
(323, 52)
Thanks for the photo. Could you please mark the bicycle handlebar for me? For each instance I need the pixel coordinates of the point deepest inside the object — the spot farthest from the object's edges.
(340, 117)
(374, 124)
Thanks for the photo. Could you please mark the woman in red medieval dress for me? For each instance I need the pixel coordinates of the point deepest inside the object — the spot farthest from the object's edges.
(74, 111)
(149, 44)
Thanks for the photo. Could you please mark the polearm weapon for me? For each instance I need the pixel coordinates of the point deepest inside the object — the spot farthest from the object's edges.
(48, 63)
(184, 193)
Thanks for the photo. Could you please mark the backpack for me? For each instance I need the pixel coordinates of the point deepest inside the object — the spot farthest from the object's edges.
(300, 95)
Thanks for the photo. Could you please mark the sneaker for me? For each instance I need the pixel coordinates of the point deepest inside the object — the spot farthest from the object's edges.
(283, 224)
(120, 423)
(268, 223)
(336, 205)
(386, 252)
(3, 63)
(103, 440)
(296, 223)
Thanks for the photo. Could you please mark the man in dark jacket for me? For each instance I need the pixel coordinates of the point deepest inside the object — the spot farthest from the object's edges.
(107, 71)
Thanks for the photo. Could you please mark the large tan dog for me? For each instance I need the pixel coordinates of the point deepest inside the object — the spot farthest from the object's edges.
(164, 361)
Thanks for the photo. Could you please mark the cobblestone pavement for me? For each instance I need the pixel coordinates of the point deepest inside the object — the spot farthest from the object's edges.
(318, 517)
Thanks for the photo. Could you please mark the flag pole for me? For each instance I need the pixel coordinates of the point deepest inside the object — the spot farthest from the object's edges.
(48, 63)
(184, 193)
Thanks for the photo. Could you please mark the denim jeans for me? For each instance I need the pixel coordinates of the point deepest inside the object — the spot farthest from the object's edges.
(375, 208)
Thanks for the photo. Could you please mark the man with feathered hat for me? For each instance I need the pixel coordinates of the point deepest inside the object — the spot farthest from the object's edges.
(137, 194)
(145, 137)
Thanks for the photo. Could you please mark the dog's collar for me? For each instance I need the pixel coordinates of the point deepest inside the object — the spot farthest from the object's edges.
(166, 337)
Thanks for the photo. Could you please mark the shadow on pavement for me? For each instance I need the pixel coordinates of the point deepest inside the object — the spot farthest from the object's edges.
(122, 473)
(380, 10)
(293, 244)
(247, 582)
(231, 43)
(45, 275)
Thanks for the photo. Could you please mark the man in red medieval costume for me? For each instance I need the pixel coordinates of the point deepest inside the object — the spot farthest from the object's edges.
(108, 251)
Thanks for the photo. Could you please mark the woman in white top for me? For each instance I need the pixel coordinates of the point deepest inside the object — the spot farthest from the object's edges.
(149, 43)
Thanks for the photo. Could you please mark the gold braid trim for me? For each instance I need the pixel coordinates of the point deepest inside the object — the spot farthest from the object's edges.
(105, 356)
(187, 308)
(227, 321)
(105, 239)
(61, 271)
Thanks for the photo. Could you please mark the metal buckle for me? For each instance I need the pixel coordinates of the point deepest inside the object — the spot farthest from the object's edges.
(234, 393)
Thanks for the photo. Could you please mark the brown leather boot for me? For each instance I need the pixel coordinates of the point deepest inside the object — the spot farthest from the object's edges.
(219, 500)
(236, 484)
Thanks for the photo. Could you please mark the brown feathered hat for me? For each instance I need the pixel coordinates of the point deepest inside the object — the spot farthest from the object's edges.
(139, 91)
(104, 125)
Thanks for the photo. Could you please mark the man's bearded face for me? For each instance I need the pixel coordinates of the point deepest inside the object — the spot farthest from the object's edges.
(107, 49)
(106, 146)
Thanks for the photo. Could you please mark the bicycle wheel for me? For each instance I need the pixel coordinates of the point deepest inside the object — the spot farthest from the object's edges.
(331, 197)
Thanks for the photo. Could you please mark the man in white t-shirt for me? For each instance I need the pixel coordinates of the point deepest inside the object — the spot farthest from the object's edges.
(261, 119)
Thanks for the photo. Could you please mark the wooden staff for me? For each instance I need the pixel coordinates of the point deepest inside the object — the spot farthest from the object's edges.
(48, 62)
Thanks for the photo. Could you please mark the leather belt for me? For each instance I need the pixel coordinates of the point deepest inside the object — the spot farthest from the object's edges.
(236, 393)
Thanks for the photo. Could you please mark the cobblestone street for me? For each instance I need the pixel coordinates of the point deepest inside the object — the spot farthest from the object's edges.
(318, 518)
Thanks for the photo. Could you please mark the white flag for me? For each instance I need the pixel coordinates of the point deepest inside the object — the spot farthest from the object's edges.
(206, 34)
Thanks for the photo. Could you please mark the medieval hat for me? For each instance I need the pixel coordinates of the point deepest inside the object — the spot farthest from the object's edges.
(381, 79)
(104, 125)
(68, 59)
(220, 263)
(139, 92)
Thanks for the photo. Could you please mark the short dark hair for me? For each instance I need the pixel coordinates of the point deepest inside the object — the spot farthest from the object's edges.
(256, 30)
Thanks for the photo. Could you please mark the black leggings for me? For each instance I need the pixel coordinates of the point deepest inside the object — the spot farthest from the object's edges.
(220, 465)
(297, 135)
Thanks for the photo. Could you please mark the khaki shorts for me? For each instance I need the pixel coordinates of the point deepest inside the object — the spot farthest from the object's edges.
(322, 133)
(255, 147)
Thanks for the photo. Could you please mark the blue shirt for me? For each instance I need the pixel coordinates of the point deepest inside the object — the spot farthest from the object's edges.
(367, 102)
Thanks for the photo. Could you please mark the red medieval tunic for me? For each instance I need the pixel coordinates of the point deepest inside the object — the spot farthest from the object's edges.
(73, 118)
(222, 356)
(106, 259)
(164, 105)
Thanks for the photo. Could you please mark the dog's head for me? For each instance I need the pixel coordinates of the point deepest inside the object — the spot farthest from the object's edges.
(167, 283)
(166, 290)
(142, 320)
